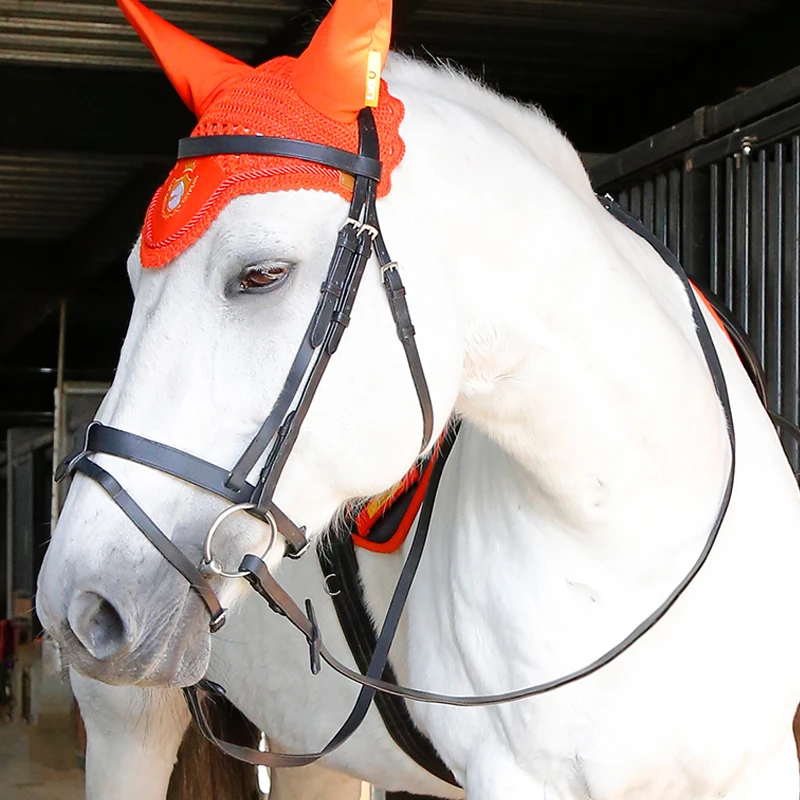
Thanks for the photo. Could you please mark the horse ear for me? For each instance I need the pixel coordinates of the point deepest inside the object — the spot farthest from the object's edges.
(198, 71)
(339, 72)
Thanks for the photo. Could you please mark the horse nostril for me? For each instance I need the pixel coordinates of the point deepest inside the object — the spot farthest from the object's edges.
(97, 625)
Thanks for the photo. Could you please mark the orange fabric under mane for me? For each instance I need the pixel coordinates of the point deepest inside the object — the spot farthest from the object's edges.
(264, 102)
(713, 313)
(377, 507)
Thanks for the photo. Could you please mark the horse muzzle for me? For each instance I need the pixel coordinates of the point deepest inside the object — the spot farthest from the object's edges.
(122, 632)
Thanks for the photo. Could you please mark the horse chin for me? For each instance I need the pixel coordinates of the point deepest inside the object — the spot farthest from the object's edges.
(181, 666)
(183, 658)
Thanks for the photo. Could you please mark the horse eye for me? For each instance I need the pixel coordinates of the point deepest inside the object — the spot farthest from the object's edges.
(263, 277)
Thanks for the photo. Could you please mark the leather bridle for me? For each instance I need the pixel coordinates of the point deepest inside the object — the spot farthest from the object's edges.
(358, 238)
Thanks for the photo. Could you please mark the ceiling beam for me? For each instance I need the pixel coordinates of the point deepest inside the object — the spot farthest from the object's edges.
(105, 239)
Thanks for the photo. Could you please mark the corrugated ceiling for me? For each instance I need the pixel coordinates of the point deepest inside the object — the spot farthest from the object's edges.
(49, 196)
(94, 32)
(532, 48)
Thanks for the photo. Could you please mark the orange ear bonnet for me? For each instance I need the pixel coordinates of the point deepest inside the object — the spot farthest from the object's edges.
(314, 98)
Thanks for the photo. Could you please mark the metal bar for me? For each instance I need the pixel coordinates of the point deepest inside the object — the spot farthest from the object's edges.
(674, 221)
(704, 124)
(692, 246)
(727, 287)
(714, 216)
(762, 131)
(774, 288)
(754, 103)
(661, 214)
(756, 300)
(791, 305)
(648, 204)
(646, 153)
(58, 416)
(741, 273)
(624, 200)
(636, 201)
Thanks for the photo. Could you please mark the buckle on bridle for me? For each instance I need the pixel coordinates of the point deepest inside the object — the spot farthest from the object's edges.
(294, 553)
(217, 621)
(391, 265)
(370, 230)
(67, 464)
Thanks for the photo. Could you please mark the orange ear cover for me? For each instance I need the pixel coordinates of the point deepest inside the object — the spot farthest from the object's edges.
(198, 71)
(315, 98)
(339, 72)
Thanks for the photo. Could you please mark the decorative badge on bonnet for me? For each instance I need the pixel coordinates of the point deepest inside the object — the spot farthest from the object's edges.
(315, 98)
(178, 189)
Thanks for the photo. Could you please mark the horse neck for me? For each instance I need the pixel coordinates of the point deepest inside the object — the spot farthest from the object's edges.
(581, 358)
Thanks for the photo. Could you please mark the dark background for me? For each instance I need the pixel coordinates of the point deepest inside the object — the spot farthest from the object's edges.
(90, 125)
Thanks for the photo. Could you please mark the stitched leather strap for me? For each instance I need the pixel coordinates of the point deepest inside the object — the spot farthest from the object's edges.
(331, 291)
(343, 160)
(396, 295)
(335, 306)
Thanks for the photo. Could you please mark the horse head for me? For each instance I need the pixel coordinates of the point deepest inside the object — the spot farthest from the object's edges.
(226, 277)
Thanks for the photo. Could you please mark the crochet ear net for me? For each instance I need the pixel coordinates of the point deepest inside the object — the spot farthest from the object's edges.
(313, 98)
(338, 74)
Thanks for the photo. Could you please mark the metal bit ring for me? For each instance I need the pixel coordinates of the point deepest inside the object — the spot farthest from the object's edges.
(210, 563)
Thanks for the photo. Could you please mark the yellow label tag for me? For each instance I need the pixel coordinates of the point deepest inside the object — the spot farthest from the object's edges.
(373, 78)
(347, 181)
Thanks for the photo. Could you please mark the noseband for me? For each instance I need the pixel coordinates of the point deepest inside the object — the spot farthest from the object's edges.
(358, 238)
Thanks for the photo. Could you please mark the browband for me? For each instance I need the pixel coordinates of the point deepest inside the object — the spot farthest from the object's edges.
(351, 163)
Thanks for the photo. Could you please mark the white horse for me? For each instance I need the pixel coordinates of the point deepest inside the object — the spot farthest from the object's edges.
(590, 466)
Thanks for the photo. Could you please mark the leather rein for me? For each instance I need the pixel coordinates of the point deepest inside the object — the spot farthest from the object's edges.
(358, 238)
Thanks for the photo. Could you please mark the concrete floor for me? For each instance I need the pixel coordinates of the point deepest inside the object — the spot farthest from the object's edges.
(24, 779)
